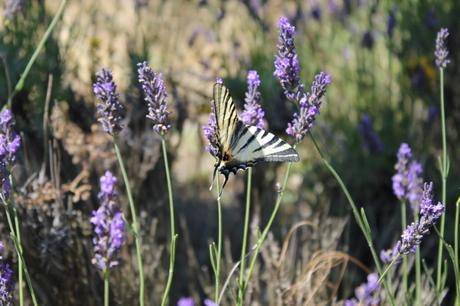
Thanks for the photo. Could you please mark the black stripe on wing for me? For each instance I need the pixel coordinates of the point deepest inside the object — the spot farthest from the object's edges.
(226, 116)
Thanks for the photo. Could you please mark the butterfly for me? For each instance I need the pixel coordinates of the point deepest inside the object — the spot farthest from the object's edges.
(242, 146)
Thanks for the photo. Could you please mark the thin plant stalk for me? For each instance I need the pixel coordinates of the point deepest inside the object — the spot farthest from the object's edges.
(134, 225)
(19, 251)
(52, 25)
(418, 272)
(172, 253)
(403, 226)
(219, 244)
(242, 284)
(264, 234)
(20, 268)
(457, 213)
(444, 179)
(360, 219)
(106, 287)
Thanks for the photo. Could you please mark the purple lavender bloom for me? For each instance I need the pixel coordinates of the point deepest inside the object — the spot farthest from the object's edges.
(441, 53)
(10, 143)
(208, 302)
(391, 22)
(109, 109)
(12, 8)
(371, 140)
(253, 113)
(155, 96)
(407, 181)
(6, 281)
(109, 225)
(431, 19)
(186, 301)
(210, 132)
(309, 105)
(368, 40)
(286, 61)
(366, 293)
(387, 256)
(429, 214)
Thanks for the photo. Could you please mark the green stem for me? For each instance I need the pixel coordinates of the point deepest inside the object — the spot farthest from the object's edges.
(264, 234)
(418, 272)
(20, 268)
(134, 225)
(457, 213)
(219, 244)
(359, 220)
(403, 227)
(32, 59)
(172, 254)
(242, 284)
(19, 251)
(106, 287)
(444, 180)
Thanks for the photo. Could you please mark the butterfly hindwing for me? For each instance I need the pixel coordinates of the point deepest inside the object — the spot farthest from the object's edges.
(251, 144)
(226, 116)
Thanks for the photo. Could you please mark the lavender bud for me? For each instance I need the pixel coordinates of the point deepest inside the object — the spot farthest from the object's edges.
(253, 113)
(155, 96)
(10, 143)
(109, 109)
(441, 53)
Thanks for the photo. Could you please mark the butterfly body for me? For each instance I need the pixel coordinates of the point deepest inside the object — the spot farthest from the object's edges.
(242, 146)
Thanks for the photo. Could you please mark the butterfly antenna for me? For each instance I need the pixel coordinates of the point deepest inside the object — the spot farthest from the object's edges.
(214, 176)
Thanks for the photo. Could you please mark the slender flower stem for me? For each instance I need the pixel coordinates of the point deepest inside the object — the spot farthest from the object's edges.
(362, 223)
(403, 226)
(106, 287)
(457, 213)
(172, 254)
(134, 225)
(264, 234)
(20, 268)
(219, 244)
(19, 250)
(242, 283)
(34, 56)
(418, 272)
(444, 179)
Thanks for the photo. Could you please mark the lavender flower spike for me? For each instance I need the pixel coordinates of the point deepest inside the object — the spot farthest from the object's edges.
(6, 281)
(210, 132)
(429, 214)
(286, 60)
(109, 109)
(109, 225)
(441, 53)
(309, 104)
(253, 113)
(407, 182)
(366, 293)
(10, 143)
(155, 96)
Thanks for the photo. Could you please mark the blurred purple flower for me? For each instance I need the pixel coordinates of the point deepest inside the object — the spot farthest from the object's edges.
(368, 40)
(186, 301)
(370, 138)
(140, 3)
(441, 53)
(407, 182)
(387, 256)
(109, 109)
(210, 132)
(109, 225)
(391, 21)
(366, 293)
(429, 214)
(253, 113)
(12, 7)
(6, 281)
(309, 106)
(286, 61)
(155, 96)
(431, 19)
(10, 143)
(209, 302)
(433, 113)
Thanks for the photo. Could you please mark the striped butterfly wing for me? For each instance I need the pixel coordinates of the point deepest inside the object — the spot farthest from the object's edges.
(226, 116)
(250, 145)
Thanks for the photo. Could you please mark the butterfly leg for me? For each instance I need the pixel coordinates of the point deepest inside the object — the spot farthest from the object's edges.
(216, 166)
(226, 173)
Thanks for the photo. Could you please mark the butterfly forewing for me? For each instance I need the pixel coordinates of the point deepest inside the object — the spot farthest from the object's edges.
(226, 116)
